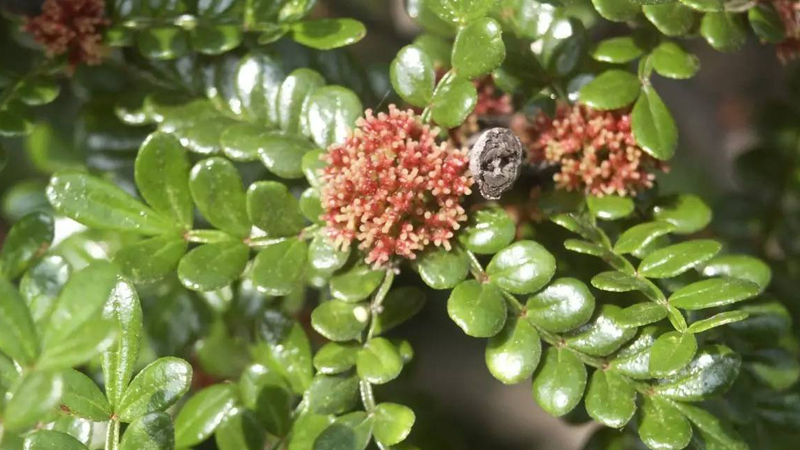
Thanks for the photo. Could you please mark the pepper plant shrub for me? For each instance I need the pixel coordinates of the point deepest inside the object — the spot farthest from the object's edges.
(229, 240)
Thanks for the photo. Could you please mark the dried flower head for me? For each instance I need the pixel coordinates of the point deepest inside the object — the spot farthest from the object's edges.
(595, 150)
(789, 12)
(393, 188)
(72, 27)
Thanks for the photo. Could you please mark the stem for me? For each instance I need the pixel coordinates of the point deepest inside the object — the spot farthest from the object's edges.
(375, 307)
(367, 396)
(207, 236)
(112, 435)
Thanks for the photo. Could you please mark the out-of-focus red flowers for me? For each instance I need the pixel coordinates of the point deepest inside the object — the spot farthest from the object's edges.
(393, 188)
(595, 150)
(789, 12)
(491, 103)
(70, 26)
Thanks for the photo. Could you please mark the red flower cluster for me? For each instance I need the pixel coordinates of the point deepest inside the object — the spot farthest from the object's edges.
(392, 188)
(789, 12)
(72, 27)
(595, 150)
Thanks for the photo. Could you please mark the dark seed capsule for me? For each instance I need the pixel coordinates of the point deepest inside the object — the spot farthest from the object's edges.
(495, 161)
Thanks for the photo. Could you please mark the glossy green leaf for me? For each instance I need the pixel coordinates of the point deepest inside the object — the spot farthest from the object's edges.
(335, 357)
(713, 292)
(616, 10)
(653, 126)
(257, 84)
(559, 384)
(619, 49)
(279, 279)
(639, 236)
(273, 209)
(672, 19)
(37, 395)
(687, 212)
(477, 308)
(662, 426)
(27, 240)
(715, 433)
(290, 353)
(312, 166)
(615, 281)
(565, 304)
(453, 100)
(671, 352)
(610, 399)
(157, 387)
(610, 207)
(162, 43)
(349, 432)
(327, 34)
(767, 23)
(41, 285)
(711, 372)
(478, 48)
(283, 154)
(152, 431)
(52, 440)
(513, 354)
(162, 176)
(522, 268)
(294, 96)
(217, 191)
(675, 259)
(437, 48)
(37, 91)
(340, 321)
(323, 256)
(305, 430)
(717, 320)
(102, 205)
(460, 11)
(613, 89)
(603, 335)
(213, 266)
(151, 259)
(82, 345)
(243, 141)
(274, 409)
(311, 206)
(118, 361)
(83, 398)
(672, 61)
(203, 413)
(332, 113)
(334, 394)
(356, 283)
(399, 305)
(443, 269)
(640, 314)
(743, 267)
(488, 231)
(240, 431)
(217, 39)
(633, 360)
(18, 337)
(379, 362)
(413, 76)
(725, 31)
(705, 5)
(392, 423)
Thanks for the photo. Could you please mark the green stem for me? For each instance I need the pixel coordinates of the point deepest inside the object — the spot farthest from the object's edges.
(207, 236)
(375, 307)
(367, 396)
(112, 435)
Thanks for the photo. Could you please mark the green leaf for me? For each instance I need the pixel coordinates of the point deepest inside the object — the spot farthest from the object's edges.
(83, 345)
(243, 141)
(713, 292)
(203, 413)
(616, 10)
(37, 395)
(610, 207)
(488, 231)
(704, 5)
(17, 332)
(513, 354)
(152, 431)
(725, 31)
(41, 285)
(311, 206)
(393, 423)
(379, 361)
(478, 48)
(312, 165)
(399, 305)
(216, 40)
(676, 259)
(617, 50)
(340, 321)
(672, 61)
(453, 100)
(273, 209)
(210, 267)
(323, 256)
(240, 431)
(217, 190)
(83, 398)
(332, 114)
(714, 432)
(477, 308)
(14, 124)
(717, 320)
(27, 240)
(356, 283)
(615, 281)
(613, 89)
(119, 360)
(662, 426)
(305, 430)
(559, 384)
(603, 335)
(334, 394)
(349, 432)
(743, 267)
(460, 11)
(37, 91)
(162, 43)
(283, 154)
(610, 399)
(294, 96)
(327, 34)
(711, 372)
(563, 305)
(633, 360)
(413, 76)
(672, 19)
(257, 84)
(671, 352)
(767, 23)
(522, 268)
(162, 176)
(151, 259)
(157, 387)
(52, 440)
(639, 236)
(443, 269)
(688, 213)
(101, 205)
(274, 409)
(640, 314)
(335, 357)
(653, 126)
(279, 279)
